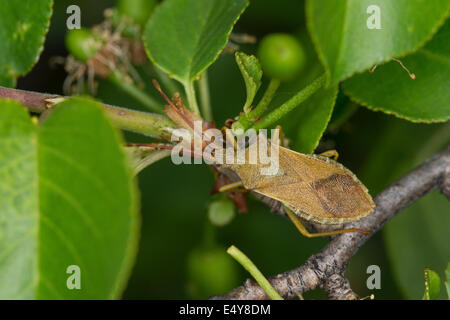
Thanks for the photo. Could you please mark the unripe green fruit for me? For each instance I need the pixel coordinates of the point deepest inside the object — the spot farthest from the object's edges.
(211, 271)
(221, 212)
(138, 10)
(281, 56)
(83, 44)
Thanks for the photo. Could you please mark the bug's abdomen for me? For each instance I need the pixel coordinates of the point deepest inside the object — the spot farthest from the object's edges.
(341, 196)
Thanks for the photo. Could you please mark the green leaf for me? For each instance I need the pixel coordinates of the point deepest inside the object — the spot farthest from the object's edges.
(305, 125)
(68, 198)
(184, 37)
(389, 89)
(447, 280)
(345, 43)
(432, 284)
(343, 111)
(417, 237)
(23, 26)
(252, 74)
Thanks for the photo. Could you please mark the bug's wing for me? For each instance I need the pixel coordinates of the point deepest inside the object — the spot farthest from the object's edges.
(318, 189)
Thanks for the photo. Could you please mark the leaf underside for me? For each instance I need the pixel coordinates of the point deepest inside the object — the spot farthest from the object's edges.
(432, 284)
(252, 74)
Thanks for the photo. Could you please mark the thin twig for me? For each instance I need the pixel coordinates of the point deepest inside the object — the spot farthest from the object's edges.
(240, 257)
(150, 124)
(291, 104)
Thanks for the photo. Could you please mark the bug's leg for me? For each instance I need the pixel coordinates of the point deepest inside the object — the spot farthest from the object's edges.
(232, 187)
(283, 141)
(298, 224)
(330, 154)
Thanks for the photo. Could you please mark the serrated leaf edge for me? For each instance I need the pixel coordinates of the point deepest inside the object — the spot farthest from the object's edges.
(336, 89)
(381, 60)
(192, 78)
(365, 104)
(40, 49)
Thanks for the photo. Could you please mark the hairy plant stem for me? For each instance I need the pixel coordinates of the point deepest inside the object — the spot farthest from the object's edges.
(246, 120)
(291, 104)
(205, 98)
(265, 100)
(149, 124)
(254, 271)
(129, 87)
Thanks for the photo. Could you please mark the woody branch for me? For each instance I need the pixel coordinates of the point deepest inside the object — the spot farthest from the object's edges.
(150, 124)
(326, 269)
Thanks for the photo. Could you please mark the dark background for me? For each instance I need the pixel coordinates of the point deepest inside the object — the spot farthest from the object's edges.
(377, 147)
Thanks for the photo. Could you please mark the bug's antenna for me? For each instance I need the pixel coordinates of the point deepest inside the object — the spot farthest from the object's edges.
(172, 105)
(412, 75)
(158, 87)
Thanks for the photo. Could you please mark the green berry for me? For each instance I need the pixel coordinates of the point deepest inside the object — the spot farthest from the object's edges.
(83, 44)
(210, 271)
(138, 10)
(282, 56)
(221, 212)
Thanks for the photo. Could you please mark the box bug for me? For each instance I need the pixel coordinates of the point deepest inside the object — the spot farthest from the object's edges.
(314, 188)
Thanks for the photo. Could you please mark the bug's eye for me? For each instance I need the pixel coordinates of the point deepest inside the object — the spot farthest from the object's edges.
(282, 56)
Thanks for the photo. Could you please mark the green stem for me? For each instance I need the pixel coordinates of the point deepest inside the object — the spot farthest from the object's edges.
(149, 102)
(246, 121)
(291, 104)
(205, 98)
(191, 97)
(254, 271)
(150, 124)
(266, 100)
(166, 81)
(150, 159)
